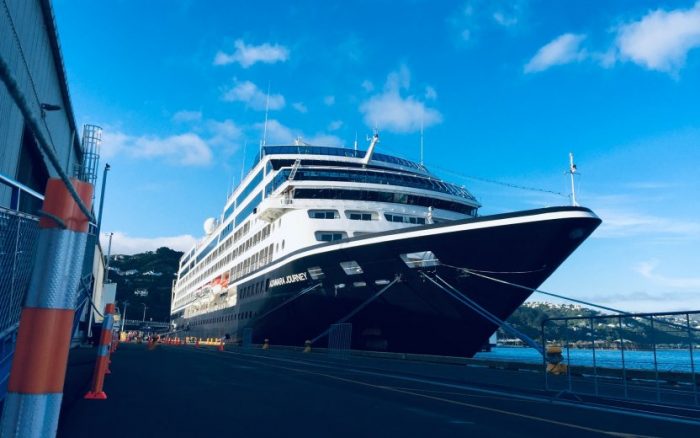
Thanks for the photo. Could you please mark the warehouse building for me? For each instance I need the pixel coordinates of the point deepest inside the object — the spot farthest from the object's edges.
(29, 45)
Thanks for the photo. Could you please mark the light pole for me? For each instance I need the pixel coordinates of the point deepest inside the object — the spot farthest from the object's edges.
(102, 198)
(126, 304)
(144, 311)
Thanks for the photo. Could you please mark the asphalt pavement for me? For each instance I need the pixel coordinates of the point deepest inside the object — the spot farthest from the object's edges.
(181, 391)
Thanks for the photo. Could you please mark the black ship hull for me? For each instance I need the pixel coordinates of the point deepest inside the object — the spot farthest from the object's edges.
(412, 315)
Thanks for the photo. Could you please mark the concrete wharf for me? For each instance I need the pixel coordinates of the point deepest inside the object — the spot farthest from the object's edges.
(187, 391)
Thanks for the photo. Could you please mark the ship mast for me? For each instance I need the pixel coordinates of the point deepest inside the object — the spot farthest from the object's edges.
(572, 172)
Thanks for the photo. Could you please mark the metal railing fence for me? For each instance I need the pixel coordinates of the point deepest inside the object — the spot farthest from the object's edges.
(18, 237)
(645, 357)
(340, 339)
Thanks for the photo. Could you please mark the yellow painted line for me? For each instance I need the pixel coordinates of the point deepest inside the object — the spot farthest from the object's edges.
(455, 402)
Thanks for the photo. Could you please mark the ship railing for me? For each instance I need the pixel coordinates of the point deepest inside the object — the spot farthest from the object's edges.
(644, 357)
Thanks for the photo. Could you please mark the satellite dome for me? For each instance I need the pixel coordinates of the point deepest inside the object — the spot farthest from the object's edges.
(209, 225)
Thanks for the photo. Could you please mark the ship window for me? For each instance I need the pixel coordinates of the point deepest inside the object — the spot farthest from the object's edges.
(330, 236)
(405, 219)
(351, 268)
(360, 215)
(316, 273)
(422, 259)
(323, 214)
(359, 284)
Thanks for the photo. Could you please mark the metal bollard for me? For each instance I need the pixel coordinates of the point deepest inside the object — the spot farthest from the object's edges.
(102, 364)
(35, 387)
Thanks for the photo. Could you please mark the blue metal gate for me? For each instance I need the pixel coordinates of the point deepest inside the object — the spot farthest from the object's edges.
(646, 357)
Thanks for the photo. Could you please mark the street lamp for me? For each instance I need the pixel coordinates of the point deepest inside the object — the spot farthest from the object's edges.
(144, 311)
(126, 303)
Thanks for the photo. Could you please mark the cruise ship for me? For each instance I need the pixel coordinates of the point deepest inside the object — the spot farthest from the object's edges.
(317, 236)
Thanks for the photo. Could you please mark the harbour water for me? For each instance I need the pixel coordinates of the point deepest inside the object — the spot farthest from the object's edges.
(678, 360)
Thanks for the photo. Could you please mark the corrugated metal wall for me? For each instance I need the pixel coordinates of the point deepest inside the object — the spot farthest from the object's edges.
(25, 44)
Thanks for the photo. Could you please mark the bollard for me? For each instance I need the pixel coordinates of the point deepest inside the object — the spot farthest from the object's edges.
(35, 386)
(554, 360)
(266, 344)
(102, 364)
(307, 346)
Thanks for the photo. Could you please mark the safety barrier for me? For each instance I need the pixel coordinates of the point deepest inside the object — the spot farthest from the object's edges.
(647, 357)
(35, 387)
(104, 349)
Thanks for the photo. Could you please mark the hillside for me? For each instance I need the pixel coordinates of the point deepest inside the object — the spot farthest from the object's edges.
(636, 331)
(145, 279)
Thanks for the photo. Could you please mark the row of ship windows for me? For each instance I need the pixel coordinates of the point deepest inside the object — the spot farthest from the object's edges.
(252, 290)
(232, 317)
(252, 241)
(366, 216)
(390, 197)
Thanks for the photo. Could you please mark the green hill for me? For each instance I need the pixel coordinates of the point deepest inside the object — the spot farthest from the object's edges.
(153, 272)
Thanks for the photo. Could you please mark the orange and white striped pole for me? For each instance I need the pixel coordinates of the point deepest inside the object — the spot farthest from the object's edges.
(101, 365)
(35, 387)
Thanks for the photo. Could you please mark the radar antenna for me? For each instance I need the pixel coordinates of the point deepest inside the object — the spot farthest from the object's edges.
(370, 150)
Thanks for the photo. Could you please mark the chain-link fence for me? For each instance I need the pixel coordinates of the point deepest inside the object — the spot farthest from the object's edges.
(650, 357)
(18, 237)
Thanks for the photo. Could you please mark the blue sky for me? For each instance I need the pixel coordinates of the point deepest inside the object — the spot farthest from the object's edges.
(505, 90)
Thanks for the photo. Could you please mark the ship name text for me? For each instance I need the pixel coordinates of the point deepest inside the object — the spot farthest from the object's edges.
(294, 278)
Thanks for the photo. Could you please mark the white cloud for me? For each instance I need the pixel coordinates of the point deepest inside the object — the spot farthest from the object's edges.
(335, 125)
(187, 149)
(367, 85)
(277, 133)
(299, 106)
(329, 100)
(246, 55)
(648, 271)
(430, 93)
(475, 17)
(187, 116)
(505, 20)
(661, 39)
(323, 140)
(122, 243)
(249, 93)
(391, 111)
(618, 222)
(564, 49)
(226, 135)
